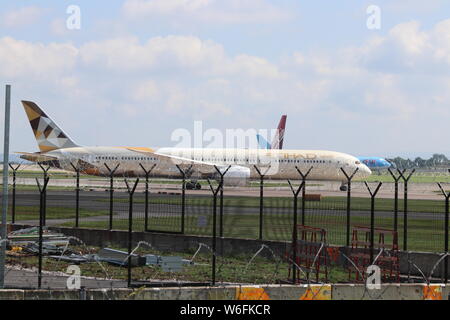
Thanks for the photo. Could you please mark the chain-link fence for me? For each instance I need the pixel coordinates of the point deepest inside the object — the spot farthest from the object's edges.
(51, 253)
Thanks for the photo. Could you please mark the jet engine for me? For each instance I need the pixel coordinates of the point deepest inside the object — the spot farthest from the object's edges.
(235, 176)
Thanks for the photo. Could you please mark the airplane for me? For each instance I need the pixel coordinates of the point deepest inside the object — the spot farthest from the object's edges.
(374, 163)
(57, 149)
(278, 140)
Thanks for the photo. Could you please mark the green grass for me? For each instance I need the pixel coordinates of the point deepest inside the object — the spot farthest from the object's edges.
(32, 213)
(28, 174)
(423, 234)
(415, 178)
(35, 188)
(332, 203)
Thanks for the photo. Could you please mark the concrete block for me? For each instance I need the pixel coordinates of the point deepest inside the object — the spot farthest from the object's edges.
(37, 295)
(108, 294)
(289, 292)
(184, 293)
(286, 292)
(12, 294)
(347, 292)
(433, 291)
(446, 292)
(51, 295)
(225, 293)
(317, 292)
(251, 293)
(387, 292)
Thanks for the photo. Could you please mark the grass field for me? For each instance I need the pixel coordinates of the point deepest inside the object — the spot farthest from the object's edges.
(36, 189)
(423, 234)
(32, 213)
(415, 178)
(331, 203)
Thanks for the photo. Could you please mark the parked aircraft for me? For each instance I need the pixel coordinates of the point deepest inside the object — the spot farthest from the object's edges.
(277, 143)
(59, 150)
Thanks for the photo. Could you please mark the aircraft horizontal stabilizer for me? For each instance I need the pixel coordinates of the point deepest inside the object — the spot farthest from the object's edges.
(36, 157)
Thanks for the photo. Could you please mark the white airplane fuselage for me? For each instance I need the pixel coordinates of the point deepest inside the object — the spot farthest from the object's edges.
(58, 149)
(283, 163)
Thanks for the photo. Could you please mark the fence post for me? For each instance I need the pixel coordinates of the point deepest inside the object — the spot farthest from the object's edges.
(42, 209)
(130, 225)
(372, 217)
(45, 171)
(4, 210)
(221, 175)
(294, 231)
(77, 196)
(405, 206)
(396, 179)
(13, 209)
(111, 193)
(261, 199)
(349, 194)
(447, 198)
(214, 231)
(183, 196)
(304, 176)
(147, 176)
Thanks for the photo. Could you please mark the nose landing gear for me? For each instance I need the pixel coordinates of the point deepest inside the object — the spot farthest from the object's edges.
(193, 185)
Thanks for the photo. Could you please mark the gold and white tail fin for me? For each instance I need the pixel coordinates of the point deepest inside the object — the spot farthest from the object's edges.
(48, 135)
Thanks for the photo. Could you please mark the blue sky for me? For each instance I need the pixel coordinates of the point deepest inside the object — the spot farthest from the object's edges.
(139, 69)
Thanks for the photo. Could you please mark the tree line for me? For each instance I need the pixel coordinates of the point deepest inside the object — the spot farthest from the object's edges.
(436, 161)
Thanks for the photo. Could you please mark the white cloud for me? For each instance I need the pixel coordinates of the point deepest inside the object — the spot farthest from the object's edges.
(135, 8)
(127, 54)
(147, 90)
(409, 38)
(24, 59)
(58, 27)
(174, 53)
(397, 82)
(212, 11)
(22, 16)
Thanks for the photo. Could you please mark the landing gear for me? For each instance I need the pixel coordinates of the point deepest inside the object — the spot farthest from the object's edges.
(193, 185)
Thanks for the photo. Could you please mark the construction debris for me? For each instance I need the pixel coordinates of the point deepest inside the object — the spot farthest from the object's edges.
(168, 264)
(27, 236)
(120, 258)
(172, 264)
(75, 258)
(47, 249)
(25, 242)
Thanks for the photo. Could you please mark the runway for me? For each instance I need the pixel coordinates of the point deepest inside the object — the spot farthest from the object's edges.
(424, 191)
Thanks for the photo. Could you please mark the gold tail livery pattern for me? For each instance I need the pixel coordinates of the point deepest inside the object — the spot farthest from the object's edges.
(48, 135)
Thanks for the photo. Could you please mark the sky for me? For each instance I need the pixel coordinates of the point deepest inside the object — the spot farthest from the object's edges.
(136, 72)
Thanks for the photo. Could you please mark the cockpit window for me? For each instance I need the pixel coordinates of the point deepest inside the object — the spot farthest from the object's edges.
(357, 162)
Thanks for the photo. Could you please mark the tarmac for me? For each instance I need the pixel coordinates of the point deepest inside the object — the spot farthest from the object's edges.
(424, 191)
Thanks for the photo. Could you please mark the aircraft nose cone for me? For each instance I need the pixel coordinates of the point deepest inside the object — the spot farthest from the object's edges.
(367, 171)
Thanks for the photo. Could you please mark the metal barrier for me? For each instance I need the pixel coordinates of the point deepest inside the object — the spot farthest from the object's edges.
(263, 217)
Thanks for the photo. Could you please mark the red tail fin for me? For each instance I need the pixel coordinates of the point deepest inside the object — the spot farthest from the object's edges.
(279, 137)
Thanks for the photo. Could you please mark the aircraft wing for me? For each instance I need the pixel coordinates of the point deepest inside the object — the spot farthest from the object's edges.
(36, 157)
(184, 163)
